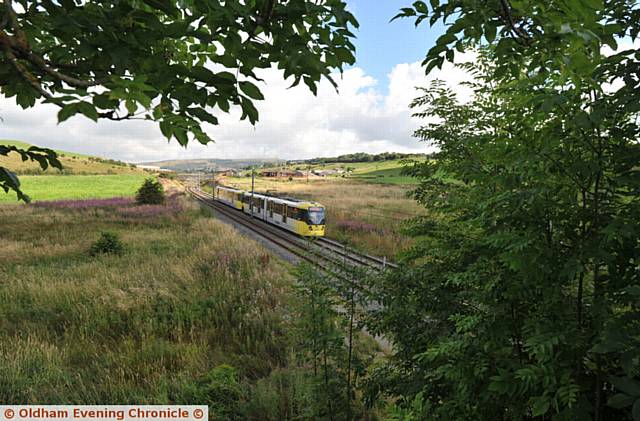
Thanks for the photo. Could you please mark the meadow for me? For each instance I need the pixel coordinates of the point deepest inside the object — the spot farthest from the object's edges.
(366, 216)
(191, 312)
(145, 327)
(54, 187)
(378, 172)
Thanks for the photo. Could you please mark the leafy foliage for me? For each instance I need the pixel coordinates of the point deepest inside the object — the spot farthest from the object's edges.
(108, 243)
(176, 64)
(170, 63)
(44, 157)
(328, 344)
(532, 36)
(150, 193)
(524, 277)
(220, 389)
(521, 291)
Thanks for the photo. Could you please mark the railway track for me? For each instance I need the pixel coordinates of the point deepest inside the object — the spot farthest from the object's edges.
(329, 255)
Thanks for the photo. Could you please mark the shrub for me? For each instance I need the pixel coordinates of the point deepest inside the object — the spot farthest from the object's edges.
(220, 389)
(168, 175)
(285, 394)
(108, 243)
(151, 193)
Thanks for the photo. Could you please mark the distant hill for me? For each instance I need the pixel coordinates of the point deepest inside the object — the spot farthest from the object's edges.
(212, 164)
(361, 157)
(73, 163)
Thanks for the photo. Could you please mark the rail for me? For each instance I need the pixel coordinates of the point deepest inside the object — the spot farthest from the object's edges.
(328, 254)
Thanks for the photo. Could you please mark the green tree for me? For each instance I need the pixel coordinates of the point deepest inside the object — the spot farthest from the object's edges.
(176, 63)
(520, 299)
(150, 193)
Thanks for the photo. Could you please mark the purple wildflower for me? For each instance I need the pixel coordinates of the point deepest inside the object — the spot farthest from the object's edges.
(124, 206)
(85, 203)
(172, 206)
(349, 225)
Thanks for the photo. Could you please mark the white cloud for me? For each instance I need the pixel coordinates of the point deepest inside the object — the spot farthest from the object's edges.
(293, 123)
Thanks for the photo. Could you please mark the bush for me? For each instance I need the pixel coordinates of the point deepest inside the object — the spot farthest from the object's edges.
(151, 193)
(285, 394)
(168, 175)
(220, 389)
(108, 243)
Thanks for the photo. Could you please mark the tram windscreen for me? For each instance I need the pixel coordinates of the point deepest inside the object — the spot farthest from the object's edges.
(316, 216)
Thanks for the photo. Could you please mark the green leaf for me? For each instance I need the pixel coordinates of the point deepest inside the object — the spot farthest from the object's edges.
(312, 85)
(67, 111)
(166, 6)
(223, 104)
(620, 400)
(626, 385)
(249, 111)
(421, 7)
(540, 406)
(181, 135)
(635, 411)
(166, 129)
(251, 90)
(131, 106)
(490, 32)
(203, 74)
(203, 115)
(88, 110)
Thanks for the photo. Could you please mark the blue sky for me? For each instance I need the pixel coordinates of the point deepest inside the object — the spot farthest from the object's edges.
(382, 44)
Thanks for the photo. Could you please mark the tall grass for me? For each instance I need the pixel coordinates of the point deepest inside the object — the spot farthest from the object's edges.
(188, 295)
(367, 216)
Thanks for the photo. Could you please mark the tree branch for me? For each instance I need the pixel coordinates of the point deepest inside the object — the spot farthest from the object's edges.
(26, 75)
(22, 49)
(518, 32)
(263, 20)
(111, 115)
(42, 64)
(13, 18)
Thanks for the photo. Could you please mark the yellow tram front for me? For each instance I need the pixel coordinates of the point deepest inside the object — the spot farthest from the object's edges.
(311, 220)
(306, 219)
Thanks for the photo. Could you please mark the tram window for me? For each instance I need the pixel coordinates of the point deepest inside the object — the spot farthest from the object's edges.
(270, 207)
(293, 212)
(315, 216)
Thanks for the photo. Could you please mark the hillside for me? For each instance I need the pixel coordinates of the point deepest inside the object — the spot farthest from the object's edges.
(380, 172)
(191, 165)
(73, 163)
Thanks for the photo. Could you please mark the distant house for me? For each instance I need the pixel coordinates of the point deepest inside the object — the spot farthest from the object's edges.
(229, 172)
(324, 173)
(275, 173)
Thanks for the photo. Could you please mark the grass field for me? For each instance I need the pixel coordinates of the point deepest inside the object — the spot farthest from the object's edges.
(188, 295)
(73, 163)
(379, 172)
(191, 313)
(53, 187)
(367, 216)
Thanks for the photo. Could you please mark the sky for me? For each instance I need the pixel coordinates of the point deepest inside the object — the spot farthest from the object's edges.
(369, 113)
